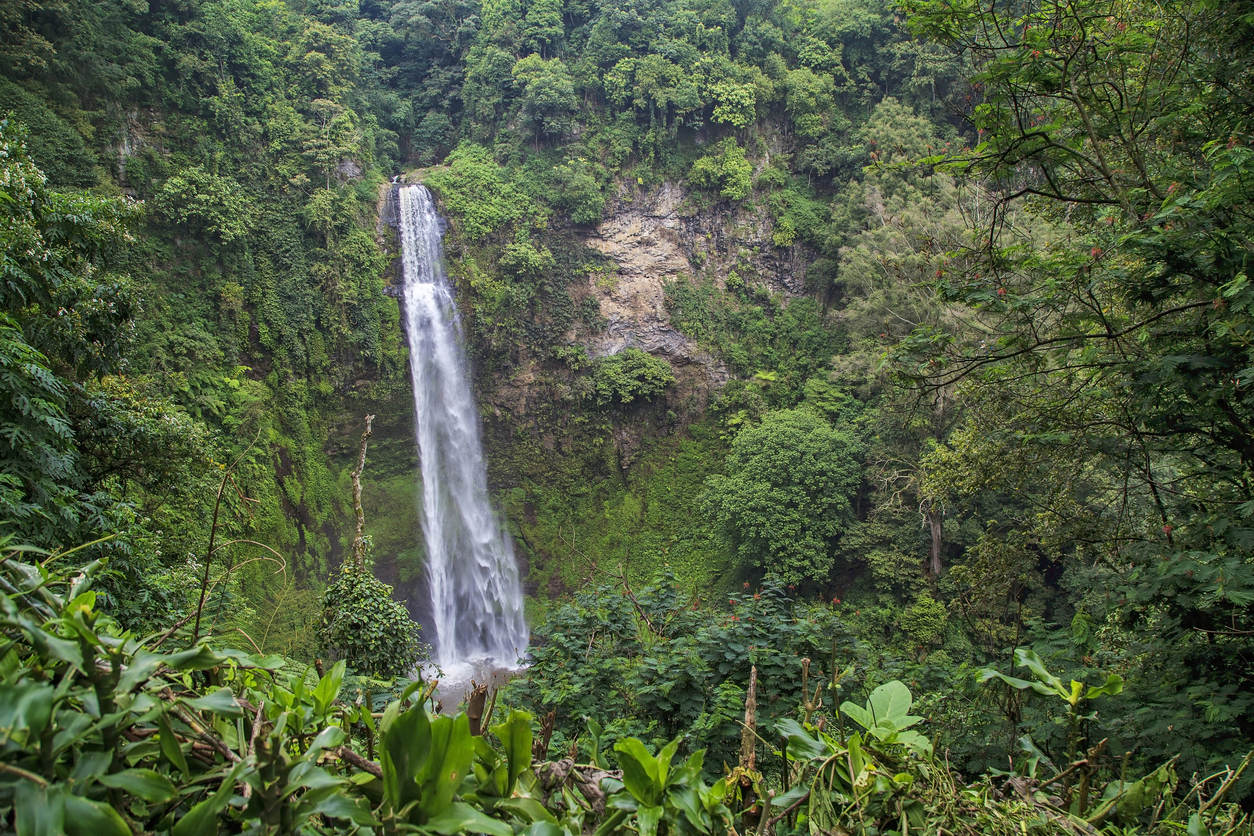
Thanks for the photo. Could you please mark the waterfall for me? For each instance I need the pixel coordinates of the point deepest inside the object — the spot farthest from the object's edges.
(476, 599)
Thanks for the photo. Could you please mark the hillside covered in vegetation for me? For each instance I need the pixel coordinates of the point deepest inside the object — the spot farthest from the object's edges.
(897, 350)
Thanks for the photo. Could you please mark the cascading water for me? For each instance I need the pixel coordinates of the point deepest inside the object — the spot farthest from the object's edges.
(476, 599)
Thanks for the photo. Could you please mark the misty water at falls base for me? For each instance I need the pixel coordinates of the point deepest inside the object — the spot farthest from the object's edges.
(477, 628)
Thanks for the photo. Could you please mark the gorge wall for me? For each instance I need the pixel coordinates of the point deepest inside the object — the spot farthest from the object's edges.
(590, 487)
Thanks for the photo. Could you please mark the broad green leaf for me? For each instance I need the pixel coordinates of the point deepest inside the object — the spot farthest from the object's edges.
(220, 702)
(664, 758)
(640, 770)
(985, 674)
(623, 801)
(342, 807)
(857, 760)
(199, 658)
(25, 709)
(686, 800)
(462, 818)
(416, 685)
(690, 771)
(526, 808)
(142, 783)
(40, 811)
(452, 752)
(47, 644)
(858, 714)
(1027, 745)
(647, 819)
(543, 828)
(306, 775)
(1145, 792)
(891, 701)
(405, 750)
(272, 662)
(84, 817)
(913, 740)
(170, 745)
(329, 688)
(145, 664)
(1112, 686)
(328, 738)
(487, 756)
(611, 823)
(90, 766)
(801, 746)
(786, 800)
(202, 819)
(594, 731)
(85, 602)
(390, 714)
(1026, 657)
(515, 737)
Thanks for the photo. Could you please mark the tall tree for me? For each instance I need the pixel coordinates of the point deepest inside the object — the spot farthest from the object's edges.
(786, 494)
(1124, 336)
(62, 322)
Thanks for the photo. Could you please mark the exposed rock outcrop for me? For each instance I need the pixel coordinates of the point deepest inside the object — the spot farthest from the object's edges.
(644, 241)
(659, 236)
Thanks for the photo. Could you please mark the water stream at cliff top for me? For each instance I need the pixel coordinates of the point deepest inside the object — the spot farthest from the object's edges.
(476, 598)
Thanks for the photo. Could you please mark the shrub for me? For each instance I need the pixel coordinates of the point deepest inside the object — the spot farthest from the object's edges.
(364, 626)
(785, 497)
(577, 193)
(476, 194)
(924, 621)
(726, 170)
(630, 374)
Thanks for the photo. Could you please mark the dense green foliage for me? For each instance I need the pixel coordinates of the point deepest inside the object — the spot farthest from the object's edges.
(786, 493)
(656, 666)
(364, 626)
(630, 374)
(958, 347)
(158, 734)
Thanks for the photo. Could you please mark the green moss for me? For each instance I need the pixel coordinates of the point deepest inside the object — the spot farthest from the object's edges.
(391, 507)
(640, 520)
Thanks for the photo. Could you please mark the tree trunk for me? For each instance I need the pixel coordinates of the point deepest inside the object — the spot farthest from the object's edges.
(359, 541)
(934, 521)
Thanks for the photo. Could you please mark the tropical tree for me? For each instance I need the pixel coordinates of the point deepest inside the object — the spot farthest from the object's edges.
(785, 497)
(1116, 354)
(62, 321)
(547, 102)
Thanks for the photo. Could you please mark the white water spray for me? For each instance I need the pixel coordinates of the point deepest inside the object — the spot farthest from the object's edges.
(476, 599)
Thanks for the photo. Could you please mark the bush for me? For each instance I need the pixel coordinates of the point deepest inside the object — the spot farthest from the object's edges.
(726, 170)
(476, 194)
(208, 203)
(630, 374)
(924, 621)
(577, 193)
(364, 626)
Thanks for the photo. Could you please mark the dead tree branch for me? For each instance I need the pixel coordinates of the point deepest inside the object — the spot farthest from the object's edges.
(359, 541)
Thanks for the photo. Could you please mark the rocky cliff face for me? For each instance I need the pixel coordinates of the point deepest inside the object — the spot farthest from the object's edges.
(652, 237)
(660, 236)
(645, 239)
(543, 431)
